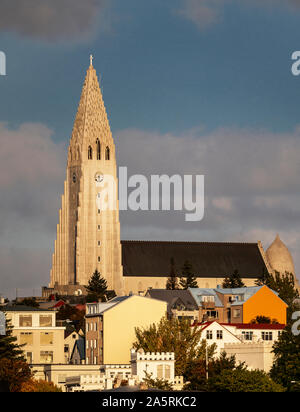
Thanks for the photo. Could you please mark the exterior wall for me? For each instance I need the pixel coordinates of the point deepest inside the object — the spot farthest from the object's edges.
(227, 336)
(158, 365)
(33, 351)
(120, 321)
(94, 339)
(266, 303)
(69, 343)
(76, 249)
(59, 373)
(140, 284)
(255, 355)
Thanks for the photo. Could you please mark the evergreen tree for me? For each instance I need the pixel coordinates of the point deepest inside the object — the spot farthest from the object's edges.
(188, 279)
(233, 281)
(286, 365)
(172, 283)
(9, 349)
(97, 287)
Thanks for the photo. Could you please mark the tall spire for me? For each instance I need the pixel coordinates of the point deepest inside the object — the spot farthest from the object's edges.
(91, 120)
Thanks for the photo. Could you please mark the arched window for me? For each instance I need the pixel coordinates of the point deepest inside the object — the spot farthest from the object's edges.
(107, 153)
(98, 149)
(90, 153)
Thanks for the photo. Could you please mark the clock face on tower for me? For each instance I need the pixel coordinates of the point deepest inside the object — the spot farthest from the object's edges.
(99, 177)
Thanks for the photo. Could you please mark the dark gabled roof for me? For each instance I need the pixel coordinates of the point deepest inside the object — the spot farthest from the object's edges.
(209, 259)
(80, 345)
(172, 297)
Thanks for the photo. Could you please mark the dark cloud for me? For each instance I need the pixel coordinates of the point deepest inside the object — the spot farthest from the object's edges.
(205, 13)
(51, 20)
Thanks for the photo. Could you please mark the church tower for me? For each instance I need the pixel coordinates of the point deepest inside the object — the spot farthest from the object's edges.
(88, 236)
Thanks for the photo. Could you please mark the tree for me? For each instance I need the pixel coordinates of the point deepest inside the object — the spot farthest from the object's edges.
(30, 302)
(286, 366)
(188, 279)
(33, 385)
(243, 380)
(196, 373)
(173, 335)
(172, 283)
(73, 314)
(97, 287)
(9, 349)
(157, 383)
(264, 320)
(14, 373)
(233, 281)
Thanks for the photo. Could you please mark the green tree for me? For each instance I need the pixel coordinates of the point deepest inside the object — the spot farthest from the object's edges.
(196, 373)
(172, 283)
(9, 349)
(286, 366)
(243, 380)
(173, 335)
(188, 279)
(157, 383)
(233, 281)
(97, 287)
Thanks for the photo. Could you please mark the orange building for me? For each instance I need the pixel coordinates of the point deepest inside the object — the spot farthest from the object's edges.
(239, 305)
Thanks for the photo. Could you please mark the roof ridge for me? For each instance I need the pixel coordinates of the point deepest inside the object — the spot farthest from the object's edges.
(189, 242)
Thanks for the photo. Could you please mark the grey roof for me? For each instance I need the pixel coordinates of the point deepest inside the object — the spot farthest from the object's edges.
(80, 345)
(173, 296)
(197, 293)
(209, 259)
(23, 308)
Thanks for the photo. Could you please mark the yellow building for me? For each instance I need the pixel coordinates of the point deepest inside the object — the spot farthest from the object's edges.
(36, 329)
(110, 327)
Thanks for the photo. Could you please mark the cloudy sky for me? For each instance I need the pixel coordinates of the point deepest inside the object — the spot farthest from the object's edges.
(190, 86)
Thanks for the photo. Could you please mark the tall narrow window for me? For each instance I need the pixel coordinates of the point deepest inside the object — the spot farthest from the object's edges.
(98, 149)
(107, 153)
(90, 153)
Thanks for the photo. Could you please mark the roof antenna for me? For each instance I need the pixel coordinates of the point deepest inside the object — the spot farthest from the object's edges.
(91, 60)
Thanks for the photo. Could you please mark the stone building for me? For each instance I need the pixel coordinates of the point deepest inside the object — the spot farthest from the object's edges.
(88, 235)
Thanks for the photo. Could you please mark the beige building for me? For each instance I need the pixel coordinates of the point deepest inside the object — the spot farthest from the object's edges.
(88, 234)
(110, 327)
(36, 329)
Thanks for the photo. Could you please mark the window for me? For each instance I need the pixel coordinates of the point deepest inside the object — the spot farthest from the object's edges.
(98, 149)
(208, 298)
(99, 211)
(26, 338)
(45, 320)
(99, 227)
(236, 313)
(87, 344)
(46, 338)
(25, 320)
(209, 334)
(99, 243)
(29, 357)
(167, 372)
(46, 357)
(99, 259)
(160, 370)
(247, 335)
(267, 335)
(107, 153)
(90, 153)
(219, 334)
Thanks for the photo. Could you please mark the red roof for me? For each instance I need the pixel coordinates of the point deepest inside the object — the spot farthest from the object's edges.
(59, 304)
(265, 326)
